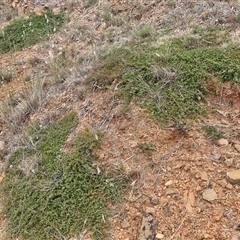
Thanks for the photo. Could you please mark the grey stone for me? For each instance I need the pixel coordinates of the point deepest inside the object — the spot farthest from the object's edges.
(229, 162)
(171, 191)
(209, 195)
(154, 201)
(148, 227)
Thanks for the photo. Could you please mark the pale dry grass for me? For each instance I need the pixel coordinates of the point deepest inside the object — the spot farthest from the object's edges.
(15, 109)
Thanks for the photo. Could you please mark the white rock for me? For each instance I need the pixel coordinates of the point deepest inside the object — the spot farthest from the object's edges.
(159, 236)
(209, 195)
(229, 186)
(223, 142)
(150, 210)
(168, 183)
(217, 156)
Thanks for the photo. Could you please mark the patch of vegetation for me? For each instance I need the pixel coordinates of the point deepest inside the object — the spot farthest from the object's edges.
(212, 132)
(60, 67)
(54, 195)
(144, 31)
(209, 36)
(146, 147)
(5, 76)
(107, 15)
(167, 77)
(24, 32)
(16, 107)
(89, 3)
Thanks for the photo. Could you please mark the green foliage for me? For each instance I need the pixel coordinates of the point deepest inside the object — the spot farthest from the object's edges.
(146, 147)
(144, 31)
(209, 36)
(23, 32)
(111, 67)
(106, 14)
(52, 195)
(89, 3)
(170, 78)
(212, 132)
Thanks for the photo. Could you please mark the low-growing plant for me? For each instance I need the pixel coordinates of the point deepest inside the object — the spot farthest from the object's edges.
(146, 147)
(106, 14)
(60, 67)
(89, 3)
(170, 79)
(23, 32)
(5, 76)
(14, 109)
(213, 132)
(54, 195)
(209, 36)
(144, 31)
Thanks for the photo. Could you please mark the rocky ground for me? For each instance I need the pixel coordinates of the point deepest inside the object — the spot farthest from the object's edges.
(187, 187)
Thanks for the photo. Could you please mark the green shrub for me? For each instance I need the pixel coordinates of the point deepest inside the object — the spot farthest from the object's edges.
(144, 31)
(212, 132)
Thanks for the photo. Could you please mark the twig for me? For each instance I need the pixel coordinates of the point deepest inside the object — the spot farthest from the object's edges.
(81, 236)
(92, 10)
(178, 228)
(107, 116)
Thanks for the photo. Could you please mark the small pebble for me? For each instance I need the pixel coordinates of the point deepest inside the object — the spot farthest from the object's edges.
(222, 142)
(159, 236)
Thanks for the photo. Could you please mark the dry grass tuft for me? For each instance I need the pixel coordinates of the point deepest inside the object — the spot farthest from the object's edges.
(15, 108)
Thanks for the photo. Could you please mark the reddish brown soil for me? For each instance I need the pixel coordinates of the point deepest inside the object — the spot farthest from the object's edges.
(168, 183)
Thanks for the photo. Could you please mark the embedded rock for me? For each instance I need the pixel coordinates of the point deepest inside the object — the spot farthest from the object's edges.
(234, 176)
(209, 195)
(148, 227)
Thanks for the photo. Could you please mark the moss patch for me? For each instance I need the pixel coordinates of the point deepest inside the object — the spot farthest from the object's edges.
(23, 32)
